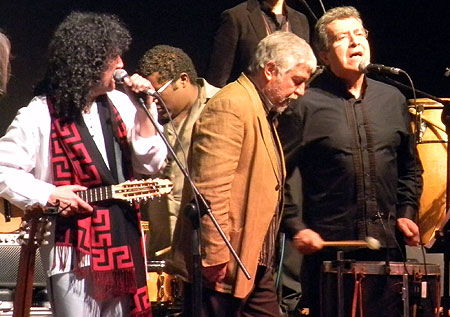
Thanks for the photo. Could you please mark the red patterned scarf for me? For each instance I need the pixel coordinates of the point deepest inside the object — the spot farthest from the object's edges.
(111, 235)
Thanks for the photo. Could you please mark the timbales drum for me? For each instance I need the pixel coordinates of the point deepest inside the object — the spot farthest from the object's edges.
(371, 289)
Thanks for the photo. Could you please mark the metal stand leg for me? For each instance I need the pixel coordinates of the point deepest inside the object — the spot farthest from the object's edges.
(405, 295)
(192, 213)
(340, 283)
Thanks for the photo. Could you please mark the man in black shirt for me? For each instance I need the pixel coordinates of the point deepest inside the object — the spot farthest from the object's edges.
(350, 138)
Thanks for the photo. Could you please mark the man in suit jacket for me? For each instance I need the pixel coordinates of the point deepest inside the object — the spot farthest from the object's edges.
(237, 164)
(241, 28)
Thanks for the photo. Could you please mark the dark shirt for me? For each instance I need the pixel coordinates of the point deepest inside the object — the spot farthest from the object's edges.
(357, 160)
(240, 30)
(274, 22)
(268, 250)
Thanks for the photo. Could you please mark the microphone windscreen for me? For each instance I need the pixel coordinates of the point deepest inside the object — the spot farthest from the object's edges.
(363, 66)
(120, 75)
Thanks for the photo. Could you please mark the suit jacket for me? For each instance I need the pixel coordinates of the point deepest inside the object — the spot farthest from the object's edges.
(233, 161)
(241, 29)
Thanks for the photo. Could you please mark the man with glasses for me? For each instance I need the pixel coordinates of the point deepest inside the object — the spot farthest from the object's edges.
(173, 74)
(356, 154)
(237, 163)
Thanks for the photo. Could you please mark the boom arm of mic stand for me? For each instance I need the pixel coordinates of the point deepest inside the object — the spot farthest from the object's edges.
(195, 189)
(423, 93)
(445, 118)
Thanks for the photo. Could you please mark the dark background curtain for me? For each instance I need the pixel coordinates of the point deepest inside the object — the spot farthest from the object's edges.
(410, 34)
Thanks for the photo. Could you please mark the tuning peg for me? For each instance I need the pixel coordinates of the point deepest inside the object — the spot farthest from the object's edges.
(25, 225)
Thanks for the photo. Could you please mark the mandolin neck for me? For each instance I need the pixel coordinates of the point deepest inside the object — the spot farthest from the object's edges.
(97, 194)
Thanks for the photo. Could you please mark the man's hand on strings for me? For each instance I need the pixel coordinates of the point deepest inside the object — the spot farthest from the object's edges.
(69, 202)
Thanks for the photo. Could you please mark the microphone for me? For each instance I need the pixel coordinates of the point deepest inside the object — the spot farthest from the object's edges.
(121, 74)
(366, 67)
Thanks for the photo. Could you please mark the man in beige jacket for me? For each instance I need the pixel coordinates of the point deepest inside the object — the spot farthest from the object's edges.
(172, 72)
(237, 163)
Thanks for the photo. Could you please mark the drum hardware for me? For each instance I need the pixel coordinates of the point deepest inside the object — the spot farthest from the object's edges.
(420, 125)
(340, 263)
(416, 285)
(427, 121)
(405, 295)
(340, 282)
(164, 289)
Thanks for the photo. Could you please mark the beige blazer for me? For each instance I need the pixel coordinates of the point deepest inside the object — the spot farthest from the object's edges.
(233, 162)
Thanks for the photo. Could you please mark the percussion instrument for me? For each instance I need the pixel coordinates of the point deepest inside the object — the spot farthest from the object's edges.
(10, 217)
(163, 288)
(432, 147)
(373, 289)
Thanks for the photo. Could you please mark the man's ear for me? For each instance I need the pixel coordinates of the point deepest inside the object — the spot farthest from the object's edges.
(270, 71)
(323, 56)
(185, 80)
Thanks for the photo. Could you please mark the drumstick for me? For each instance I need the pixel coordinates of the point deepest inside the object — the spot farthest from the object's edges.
(370, 243)
(163, 251)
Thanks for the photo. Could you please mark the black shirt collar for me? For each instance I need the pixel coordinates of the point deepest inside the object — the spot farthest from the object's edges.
(336, 85)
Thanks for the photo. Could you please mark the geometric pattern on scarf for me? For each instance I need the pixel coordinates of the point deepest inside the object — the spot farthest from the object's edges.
(111, 235)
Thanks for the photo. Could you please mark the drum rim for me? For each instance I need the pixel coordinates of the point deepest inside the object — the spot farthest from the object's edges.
(378, 268)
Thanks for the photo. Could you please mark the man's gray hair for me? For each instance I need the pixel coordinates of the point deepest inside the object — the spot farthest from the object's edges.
(321, 41)
(286, 50)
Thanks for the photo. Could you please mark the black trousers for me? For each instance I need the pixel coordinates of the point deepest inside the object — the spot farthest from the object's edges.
(262, 300)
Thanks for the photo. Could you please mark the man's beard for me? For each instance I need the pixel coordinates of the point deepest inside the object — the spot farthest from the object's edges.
(283, 106)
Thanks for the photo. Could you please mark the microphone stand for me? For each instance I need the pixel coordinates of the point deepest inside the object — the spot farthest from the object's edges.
(443, 234)
(194, 213)
(310, 11)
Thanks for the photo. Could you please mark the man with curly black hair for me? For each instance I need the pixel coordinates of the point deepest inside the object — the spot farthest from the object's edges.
(77, 133)
(171, 70)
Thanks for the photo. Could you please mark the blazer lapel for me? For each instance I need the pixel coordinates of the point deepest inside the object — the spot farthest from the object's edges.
(255, 18)
(271, 142)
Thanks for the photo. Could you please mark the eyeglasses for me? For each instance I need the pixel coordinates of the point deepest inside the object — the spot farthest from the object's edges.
(163, 87)
(342, 37)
